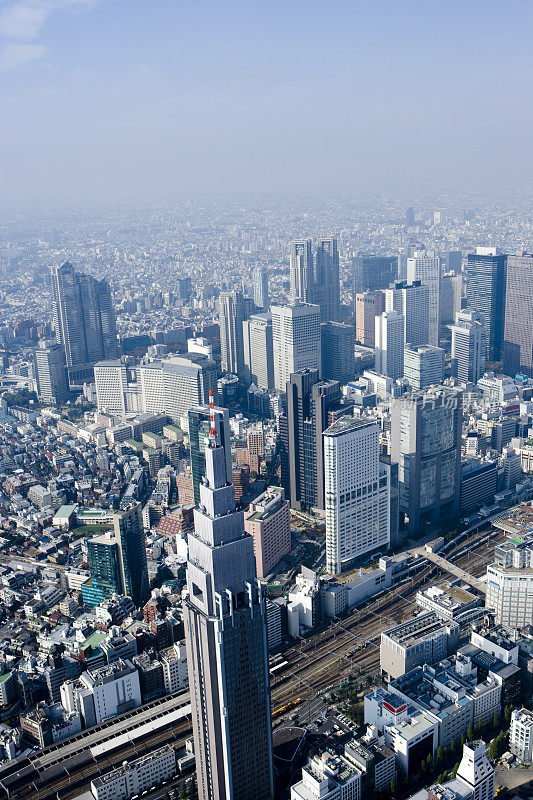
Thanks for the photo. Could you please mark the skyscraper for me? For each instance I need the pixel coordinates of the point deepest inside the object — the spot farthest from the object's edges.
(301, 270)
(389, 350)
(129, 533)
(485, 292)
(411, 300)
(337, 351)
(426, 445)
(234, 309)
(357, 493)
(296, 340)
(260, 287)
(259, 350)
(469, 345)
(425, 266)
(227, 659)
(84, 320)
(518, 332)
(423, 365)
(199, 426)
(176, 384)
(368, 306)
(117, 560)
(374, 272)
(310, 403)
(451, 292)
(51, 373)
(327, 280)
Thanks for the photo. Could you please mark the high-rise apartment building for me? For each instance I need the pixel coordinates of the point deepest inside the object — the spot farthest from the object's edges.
(368, 306)
(485, 292)
(51, 373)
(357, 493)
(337, 351)
(199, 427)
(411, 300)
(259, 350)
(389, 344)
(423, 365)
(260, 288)
(425, 266)
(234, 309)
(327, 280)
(426, 444)
(301, 270)
(102, 555)
(469, 346)
(518, 330)
(84, 320)
(296, 340)
(227, 659)
(374, 272)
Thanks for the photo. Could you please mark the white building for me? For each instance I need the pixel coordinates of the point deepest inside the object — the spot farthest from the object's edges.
(328, 777)
(469, 346)
(357, 493)
(425, 266)
(111, 382)
(200, 345)
(510, 584)
(389, 344)
(174, 661)
(258, 350)
(411, 300)
(103, 692)
(136, 777)
(521, 735)
(476, 770)
(296, 340)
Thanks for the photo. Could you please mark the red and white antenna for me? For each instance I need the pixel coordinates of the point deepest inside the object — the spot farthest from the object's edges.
(213, 431)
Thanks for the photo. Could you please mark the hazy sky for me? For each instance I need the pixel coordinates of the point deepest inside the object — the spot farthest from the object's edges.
(135, 98)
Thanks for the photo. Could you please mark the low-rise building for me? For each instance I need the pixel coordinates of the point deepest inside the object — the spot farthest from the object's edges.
(136, 777)
(328, 777)
(425, 639)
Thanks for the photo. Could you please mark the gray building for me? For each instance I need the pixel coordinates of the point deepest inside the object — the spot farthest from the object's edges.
(518, 331)
(199, 426)
(259, 350)
(485, 292)
(327, 282)
(337, 351)
(426, 444)
(374, 272)
(51, 373)
(469, 346)
(301, 270)
(226, 639)
(234, 309)
(425, 639)
(479, 483)
(310, 403)
(423, 365)
(260, 288)
(84, 320)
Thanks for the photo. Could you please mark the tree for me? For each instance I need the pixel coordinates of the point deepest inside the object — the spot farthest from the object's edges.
(493, 750)
(495, 722)
(393, 787)
(507, 714)
(455, 768)
(439, 757)
(469, 734)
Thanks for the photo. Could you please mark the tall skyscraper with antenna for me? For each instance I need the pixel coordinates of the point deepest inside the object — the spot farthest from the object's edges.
(225, 629)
